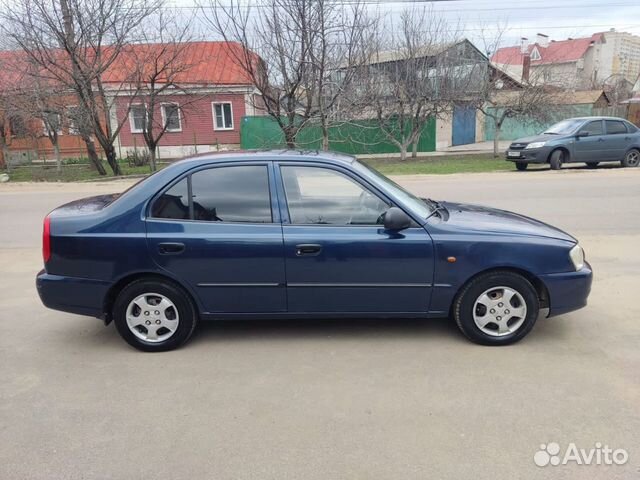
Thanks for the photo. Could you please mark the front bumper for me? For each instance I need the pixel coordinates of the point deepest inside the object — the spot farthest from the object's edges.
(82, 296)
(531, 155)
(568, 291)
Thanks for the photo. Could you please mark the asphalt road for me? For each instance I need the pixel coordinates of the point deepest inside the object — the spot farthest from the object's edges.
(330, 399)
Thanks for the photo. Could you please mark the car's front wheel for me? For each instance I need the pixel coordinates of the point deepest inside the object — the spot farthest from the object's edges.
(521, 166)
(631, 159)
(556, 160)
(496, 308)
(154, 315)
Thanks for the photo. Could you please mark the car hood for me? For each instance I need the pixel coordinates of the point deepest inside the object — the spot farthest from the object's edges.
(84, 205)
(536, 138)
(485, 219)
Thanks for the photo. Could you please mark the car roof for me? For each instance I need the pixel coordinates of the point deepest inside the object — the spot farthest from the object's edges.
(597, 118)
(248, 155)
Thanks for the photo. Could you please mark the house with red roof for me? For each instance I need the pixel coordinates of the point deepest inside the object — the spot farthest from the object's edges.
(571, 63)
(202, 111)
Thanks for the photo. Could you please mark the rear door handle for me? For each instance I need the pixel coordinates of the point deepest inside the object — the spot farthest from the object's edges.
(170, 248)
(601, 139)
(308, 249)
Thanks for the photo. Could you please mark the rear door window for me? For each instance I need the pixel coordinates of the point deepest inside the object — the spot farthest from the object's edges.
(222, 194)
(615, 127)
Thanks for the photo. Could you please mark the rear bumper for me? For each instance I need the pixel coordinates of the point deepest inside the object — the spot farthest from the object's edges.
(71, 294)
(568, 291)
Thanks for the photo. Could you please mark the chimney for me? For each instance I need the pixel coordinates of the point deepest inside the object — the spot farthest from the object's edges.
(524, 45)
(526, 67)
(542, 40)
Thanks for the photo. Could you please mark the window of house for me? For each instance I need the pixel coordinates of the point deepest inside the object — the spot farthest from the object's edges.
(138, 118)
(224, 194)
(18, 126)
(535, 54)
(52, 121)
(615, 127)
(323, 196)
(73, 119)
(223, 116)
(171, 117)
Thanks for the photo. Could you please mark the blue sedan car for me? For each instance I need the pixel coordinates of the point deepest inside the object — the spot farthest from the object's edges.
(304, 235)
(590, 140)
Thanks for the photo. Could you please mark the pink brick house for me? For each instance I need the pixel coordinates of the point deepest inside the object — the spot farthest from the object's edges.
(204, 116)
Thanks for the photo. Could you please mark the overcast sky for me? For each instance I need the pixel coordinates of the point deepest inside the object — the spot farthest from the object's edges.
(559, 19)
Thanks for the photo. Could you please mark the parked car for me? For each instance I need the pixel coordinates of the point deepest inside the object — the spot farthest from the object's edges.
(589, 139)
(286, 234)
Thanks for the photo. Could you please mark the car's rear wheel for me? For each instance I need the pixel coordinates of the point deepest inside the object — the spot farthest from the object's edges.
(154, 315)
(593, 164)
(632, 158)
(496, 308)
(521, 166)
(556, 160)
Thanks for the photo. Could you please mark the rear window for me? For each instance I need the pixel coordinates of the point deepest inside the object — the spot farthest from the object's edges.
(615, 127)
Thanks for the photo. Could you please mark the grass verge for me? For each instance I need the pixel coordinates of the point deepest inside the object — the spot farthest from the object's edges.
(69, 173)
(441, 165)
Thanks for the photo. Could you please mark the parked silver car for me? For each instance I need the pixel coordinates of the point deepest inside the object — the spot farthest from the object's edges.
(587, 139)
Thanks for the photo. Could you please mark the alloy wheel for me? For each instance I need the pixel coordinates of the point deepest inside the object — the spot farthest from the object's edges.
(499, 311)
(633, 158)
(152, 317)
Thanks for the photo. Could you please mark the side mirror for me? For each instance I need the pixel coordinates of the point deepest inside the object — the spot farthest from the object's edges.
(582, 134)
(396, 219)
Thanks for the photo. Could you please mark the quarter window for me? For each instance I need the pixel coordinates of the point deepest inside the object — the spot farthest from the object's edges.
(171, 117)
(322, 196)
(174, 203)
(224, 194)
(223, 116)
(615, 127)
(592, 128)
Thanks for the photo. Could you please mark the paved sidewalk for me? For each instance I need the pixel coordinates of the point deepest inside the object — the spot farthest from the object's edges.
(471, 149)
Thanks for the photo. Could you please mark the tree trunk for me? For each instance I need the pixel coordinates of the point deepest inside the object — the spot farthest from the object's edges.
(403, 152)
(152, 158)
(112, 160)
(93, 156)
(496, 141)
(290, 137)
(5, 156)
(56, 150)
(325, 136)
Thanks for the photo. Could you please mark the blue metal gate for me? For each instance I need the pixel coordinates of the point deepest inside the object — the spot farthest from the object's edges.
(464, 125)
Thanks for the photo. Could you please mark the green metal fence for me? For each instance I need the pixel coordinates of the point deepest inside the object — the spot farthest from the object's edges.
(514, 128)
(363, 137)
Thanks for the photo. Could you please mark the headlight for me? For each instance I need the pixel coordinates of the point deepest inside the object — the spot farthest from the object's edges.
(535, 145)
(576, 254)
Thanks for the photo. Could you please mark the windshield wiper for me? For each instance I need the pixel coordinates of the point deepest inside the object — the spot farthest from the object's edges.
(550, 133)
(435, 206)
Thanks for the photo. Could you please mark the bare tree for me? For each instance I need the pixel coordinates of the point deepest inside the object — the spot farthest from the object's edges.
(159, 66)
(417, 72)
(290, 51)
(75, 43)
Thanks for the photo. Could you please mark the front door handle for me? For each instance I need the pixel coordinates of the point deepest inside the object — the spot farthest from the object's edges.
(308, 249)
(601, 139)
(170, 248)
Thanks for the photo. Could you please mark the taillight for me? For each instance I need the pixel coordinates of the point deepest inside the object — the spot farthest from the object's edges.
(46, 239)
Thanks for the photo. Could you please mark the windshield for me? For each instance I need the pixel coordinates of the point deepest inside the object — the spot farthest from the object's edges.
(418, 206)
(564, 127)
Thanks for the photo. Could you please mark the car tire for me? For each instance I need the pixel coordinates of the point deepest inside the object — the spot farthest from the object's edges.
(593, 164)
(154, 315)
(631, 158)
(556, 159)
(479, 297)
(521, 166)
